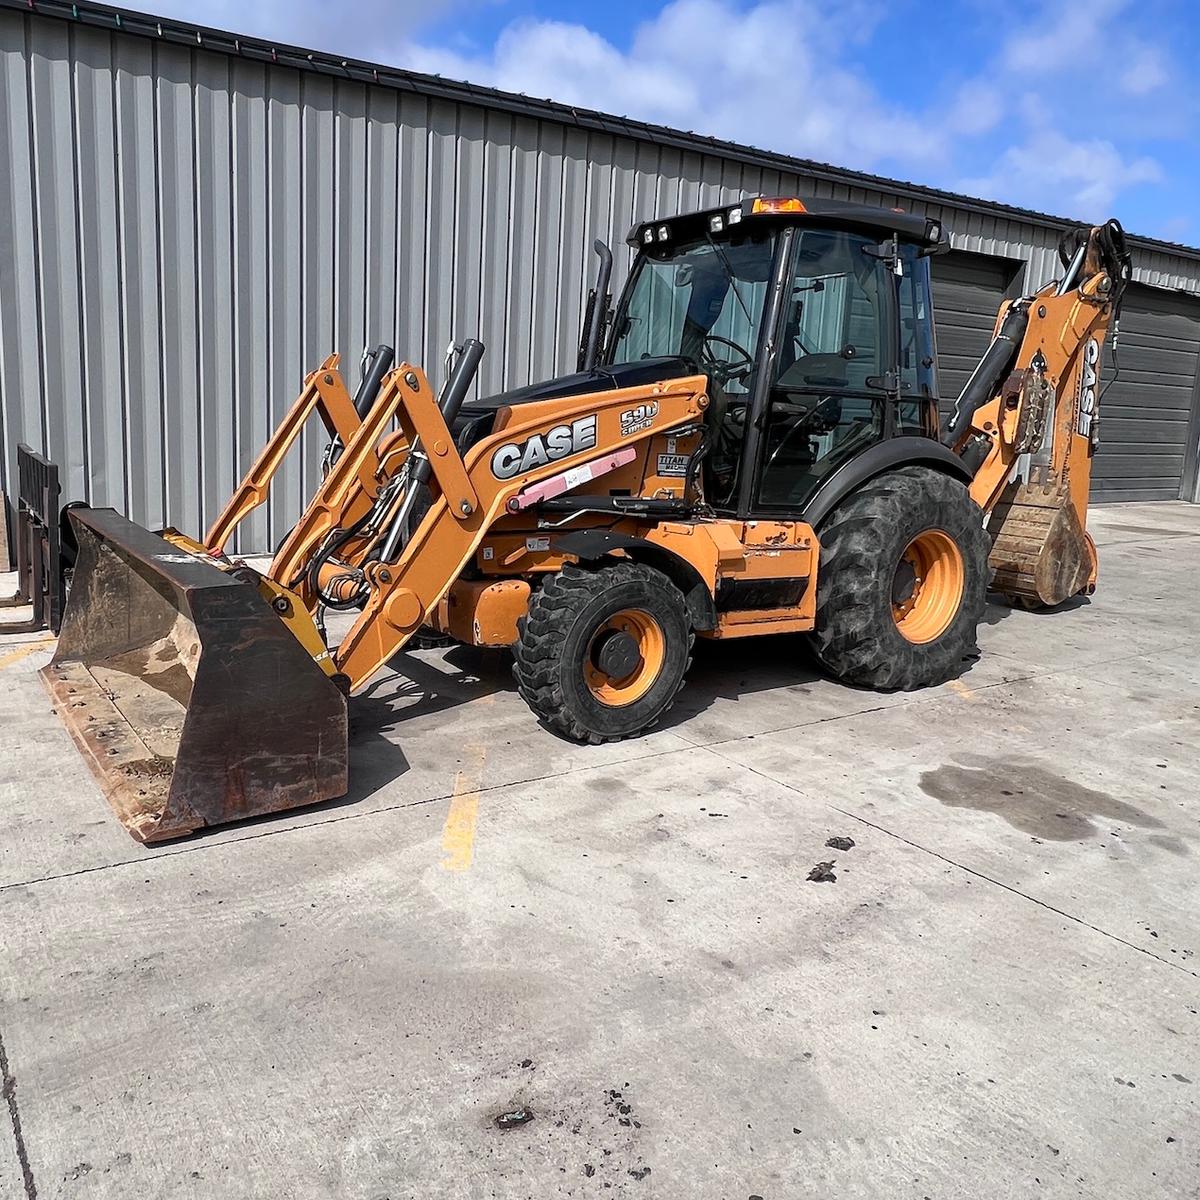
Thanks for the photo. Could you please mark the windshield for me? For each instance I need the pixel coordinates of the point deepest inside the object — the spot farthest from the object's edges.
(702, 300)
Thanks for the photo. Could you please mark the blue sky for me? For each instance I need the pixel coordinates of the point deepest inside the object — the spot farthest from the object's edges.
(1083, 110)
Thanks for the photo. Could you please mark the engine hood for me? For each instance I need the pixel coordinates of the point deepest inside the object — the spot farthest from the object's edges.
(475, 419)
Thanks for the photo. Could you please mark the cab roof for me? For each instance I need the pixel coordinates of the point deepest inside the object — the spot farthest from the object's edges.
(793, 210)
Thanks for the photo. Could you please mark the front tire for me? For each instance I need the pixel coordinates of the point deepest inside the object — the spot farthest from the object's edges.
(902, 582)
(601, 654)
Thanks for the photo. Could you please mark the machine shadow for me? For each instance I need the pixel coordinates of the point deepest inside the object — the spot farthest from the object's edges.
(729, 670)
(416, 684)
(426, 682)
(998, 609)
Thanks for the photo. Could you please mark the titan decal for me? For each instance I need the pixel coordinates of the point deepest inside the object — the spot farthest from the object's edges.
(672, 465)
(515, 458)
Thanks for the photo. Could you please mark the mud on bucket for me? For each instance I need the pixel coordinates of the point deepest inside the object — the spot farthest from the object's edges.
(187, 695)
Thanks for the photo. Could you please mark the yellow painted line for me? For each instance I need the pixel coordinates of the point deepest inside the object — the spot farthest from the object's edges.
(458, 833)
(15, 656)
(965, 692)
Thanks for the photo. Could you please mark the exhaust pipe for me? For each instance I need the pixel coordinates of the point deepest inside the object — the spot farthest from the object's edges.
(597, 309)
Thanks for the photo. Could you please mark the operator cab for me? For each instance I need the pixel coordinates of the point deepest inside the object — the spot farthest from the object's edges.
(812, 320)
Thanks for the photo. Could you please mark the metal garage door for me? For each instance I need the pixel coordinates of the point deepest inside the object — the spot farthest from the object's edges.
(967, 291)
(1149, 409)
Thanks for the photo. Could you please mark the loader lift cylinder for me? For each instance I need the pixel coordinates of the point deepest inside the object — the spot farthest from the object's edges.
(420, 469)
(376, 364)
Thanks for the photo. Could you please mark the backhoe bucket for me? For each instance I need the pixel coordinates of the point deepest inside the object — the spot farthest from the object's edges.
(186, 693)
(1041, 554)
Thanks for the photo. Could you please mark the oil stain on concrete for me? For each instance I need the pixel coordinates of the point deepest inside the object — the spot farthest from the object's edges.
(1032, 799)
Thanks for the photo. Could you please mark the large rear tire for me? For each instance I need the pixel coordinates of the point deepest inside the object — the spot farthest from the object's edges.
(601, 654)
(902, 582)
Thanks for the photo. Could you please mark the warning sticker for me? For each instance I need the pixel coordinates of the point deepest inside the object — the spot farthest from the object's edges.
(536, 544)
(673, 464)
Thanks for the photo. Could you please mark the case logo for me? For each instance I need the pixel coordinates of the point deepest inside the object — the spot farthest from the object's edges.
(1087, 385)
(515, 458)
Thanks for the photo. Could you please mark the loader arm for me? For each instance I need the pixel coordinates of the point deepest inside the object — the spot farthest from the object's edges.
(1028, 424)
(403, 593)
(323, 393)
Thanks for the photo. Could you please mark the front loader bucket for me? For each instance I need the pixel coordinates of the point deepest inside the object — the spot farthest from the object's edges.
(1041, 554)
(188, 696)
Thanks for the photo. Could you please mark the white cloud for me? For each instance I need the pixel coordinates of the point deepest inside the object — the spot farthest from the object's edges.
(976, 108)
(1145, 72)
(1048, 170)
(780, 75)
(1063, 34)
(1085, 38)
(1048, 165)
(773, 75)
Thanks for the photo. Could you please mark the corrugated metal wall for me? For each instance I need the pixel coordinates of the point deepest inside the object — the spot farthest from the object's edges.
(183, 233)
(1149, 413)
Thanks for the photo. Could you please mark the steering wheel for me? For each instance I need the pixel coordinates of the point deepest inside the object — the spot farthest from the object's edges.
(723, 372)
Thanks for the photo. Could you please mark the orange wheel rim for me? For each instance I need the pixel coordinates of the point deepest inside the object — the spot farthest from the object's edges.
(928, 587)
(624, 657)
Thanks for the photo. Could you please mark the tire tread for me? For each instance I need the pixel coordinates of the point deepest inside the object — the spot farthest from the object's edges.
(542, 633)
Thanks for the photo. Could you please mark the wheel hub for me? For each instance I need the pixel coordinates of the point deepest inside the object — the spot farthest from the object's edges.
(624, 657)
(616, 653)
(904, 583)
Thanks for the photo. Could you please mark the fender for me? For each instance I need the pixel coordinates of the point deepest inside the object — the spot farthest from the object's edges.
(592, 544)
(895, 452)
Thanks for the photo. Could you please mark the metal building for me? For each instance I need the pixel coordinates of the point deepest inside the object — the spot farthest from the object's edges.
(189, 220)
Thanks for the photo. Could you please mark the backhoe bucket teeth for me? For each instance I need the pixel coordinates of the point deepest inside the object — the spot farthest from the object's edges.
(1041, 554)
(190, 699)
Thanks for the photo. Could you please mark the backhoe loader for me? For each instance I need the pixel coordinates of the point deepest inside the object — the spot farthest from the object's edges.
(750, 446)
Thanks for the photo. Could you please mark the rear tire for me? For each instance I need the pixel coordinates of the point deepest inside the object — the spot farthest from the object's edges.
(902, 583)
(601, 654)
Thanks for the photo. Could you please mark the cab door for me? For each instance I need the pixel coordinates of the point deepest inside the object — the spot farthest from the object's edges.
(845, 375)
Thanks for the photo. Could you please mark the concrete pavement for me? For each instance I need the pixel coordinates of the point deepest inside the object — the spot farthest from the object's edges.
(998, 996)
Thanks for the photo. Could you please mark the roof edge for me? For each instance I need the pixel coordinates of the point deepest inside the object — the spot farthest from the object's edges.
(147, 25)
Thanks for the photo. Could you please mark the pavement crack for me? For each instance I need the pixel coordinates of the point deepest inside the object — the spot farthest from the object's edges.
(741, 737)
(14, 1117)
(928, 696)
(208, 844)
(256, 835)
(1008, 887)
